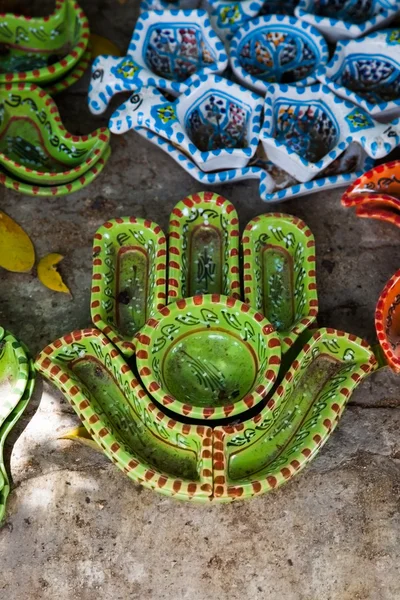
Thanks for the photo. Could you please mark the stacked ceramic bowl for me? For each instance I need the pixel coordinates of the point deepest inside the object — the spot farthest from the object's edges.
(38, 156)
(49, 51)
(280, 114)
(17, 380)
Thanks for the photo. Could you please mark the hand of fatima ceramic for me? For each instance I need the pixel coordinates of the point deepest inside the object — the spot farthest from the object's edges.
(111, 75)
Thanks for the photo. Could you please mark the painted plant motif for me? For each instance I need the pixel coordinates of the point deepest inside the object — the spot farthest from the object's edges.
(374, 79)
(176, 52)
(164, 446)
(308, 130)
(218, 122)
(277, 57)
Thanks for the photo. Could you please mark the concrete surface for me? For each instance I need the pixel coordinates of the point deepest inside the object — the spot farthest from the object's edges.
(78, 528)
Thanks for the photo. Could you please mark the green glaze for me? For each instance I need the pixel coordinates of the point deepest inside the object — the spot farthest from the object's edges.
(264, 452)
(8, 422)
(43, 49)
(76, 73)
(279, 273)
(208, 357)
(14, 372)
(203, 247)
(56, 190)
(129, 278)
(34, 145)
(115, 409)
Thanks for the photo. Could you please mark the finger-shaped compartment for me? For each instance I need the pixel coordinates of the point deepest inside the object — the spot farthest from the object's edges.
(279, 273)
(149, 447)
(268, 450)
(203, 247)
(129, 278)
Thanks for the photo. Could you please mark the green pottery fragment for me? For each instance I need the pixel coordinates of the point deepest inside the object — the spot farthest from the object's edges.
(208, 357)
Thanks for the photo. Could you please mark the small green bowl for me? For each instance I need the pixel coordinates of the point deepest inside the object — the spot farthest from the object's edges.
(208, 357)
(34, 144)
(55, 190)
(42, 49)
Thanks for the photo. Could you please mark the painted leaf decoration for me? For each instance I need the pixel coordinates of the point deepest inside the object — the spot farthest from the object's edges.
(48, 274)
(17, 253)
(101, 45)
(82, 436)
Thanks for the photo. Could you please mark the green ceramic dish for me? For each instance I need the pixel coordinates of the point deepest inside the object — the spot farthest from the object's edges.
(149, 447)
(279, 273)
(14, 371)
(268, 450)
(74, 75)
(7, 426)
(35, 146)
(208, 357)
(57, 190)
(43, 49)
(203, 246)
(129, 278)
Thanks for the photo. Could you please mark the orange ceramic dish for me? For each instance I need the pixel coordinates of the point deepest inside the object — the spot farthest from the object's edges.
(376, 195)
(387, 321)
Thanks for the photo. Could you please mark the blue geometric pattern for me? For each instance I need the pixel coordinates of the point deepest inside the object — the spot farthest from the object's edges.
(358, 119)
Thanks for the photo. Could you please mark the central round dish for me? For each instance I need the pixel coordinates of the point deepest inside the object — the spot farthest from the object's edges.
(208, 357)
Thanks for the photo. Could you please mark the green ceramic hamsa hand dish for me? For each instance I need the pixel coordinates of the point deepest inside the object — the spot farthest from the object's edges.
(225, 391)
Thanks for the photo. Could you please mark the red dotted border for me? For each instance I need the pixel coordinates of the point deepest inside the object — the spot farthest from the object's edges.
(149, 331)
(175, 240)
(125, 345)
(309, 247)
(56, 371)
(59, 190)
(223, 489)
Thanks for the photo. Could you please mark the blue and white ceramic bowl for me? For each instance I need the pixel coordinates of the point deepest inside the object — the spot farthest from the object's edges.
(215, 122)
(347, 19)
(228, 15)
(276, 49)
(166, 49)
(367, 72)
(307, 128)
(274, 184)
